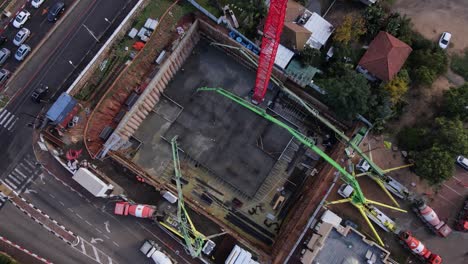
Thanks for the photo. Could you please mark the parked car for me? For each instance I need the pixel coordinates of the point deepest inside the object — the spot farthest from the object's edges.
(21, 19)
(463, 162)
(22, 52)
(4, 54)
(4, 75)
(39, 93)
(55, 11)
(3, 39)
(21, 36)
(37, 3)
(444, 40)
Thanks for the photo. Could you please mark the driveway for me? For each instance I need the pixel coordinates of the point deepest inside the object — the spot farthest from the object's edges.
(432, 17)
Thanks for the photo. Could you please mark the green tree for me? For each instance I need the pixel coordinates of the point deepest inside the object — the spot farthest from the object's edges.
(352, 28)
(423, 75)
(451, 136)
(374, 16)
(400, 27)
(348, 94)
(455, 102)
(413, 138)
(434, 164)
(4, 259)
(311, 56)
(398, 86)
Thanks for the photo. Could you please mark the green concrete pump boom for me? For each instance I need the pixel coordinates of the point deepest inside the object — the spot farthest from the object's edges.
(193, 239)
(358, 196)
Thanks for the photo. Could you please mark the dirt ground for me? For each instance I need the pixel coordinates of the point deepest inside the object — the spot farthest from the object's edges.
(432, 17)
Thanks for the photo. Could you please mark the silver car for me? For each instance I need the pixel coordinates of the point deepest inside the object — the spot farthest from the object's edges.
(22, 52)
(4, 54)
(4, 75)
(21, 36)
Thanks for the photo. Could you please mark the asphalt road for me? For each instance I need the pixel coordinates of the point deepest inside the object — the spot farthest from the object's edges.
(37, 24)
(24, 227)
(116, 237)
(51, 66)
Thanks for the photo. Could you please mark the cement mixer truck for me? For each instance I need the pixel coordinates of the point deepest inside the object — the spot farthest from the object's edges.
(430, 218)
(418, 248)
(153, 251)
(137, 210)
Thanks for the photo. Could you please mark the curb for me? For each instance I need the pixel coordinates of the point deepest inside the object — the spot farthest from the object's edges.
(99, 53)
(42, 224)
(39, 45)
(25, 250)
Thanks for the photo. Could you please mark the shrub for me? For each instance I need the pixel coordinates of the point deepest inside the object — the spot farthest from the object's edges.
(460, 64)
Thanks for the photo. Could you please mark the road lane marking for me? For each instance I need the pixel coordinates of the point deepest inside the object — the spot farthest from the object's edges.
(5, 118)
(26, 168)
(79, 216)
(97, 229)
(51, 195)
(9, 120)
(12, 177)
(62, 203)
(32, 165)
(452, 189)
(109, 260)
(88, 222)
(9, 183)
(71, 210)
(12, 124)
(96, 254)
(106, 237)
(83, 246)
(3, 112)
(20, 173)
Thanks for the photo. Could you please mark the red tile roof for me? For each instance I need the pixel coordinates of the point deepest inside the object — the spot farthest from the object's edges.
(385, 56)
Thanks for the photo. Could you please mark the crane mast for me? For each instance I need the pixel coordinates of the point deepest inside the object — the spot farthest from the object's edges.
(193, 239)
(270, 41)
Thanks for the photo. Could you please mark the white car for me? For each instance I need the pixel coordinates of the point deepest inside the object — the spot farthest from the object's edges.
(37, 3)
(21, 18)
(22, 52)
(21, 36)
(444, 40)
(463, 162)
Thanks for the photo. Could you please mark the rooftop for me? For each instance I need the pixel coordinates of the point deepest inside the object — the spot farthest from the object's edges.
(321, 30)
(385, 56)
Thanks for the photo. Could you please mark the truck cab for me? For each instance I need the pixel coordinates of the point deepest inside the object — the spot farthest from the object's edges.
(345, 190)
(152, 250)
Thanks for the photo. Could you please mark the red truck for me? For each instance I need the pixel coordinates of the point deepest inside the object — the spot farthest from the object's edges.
(462, 221)
(137, 210)
(418, 248)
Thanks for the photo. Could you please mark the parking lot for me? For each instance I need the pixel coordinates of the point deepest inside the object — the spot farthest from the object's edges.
(37, 25)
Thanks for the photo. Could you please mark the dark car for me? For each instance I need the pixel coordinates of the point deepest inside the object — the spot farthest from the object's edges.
(3, 39)
(55, 11)
(38, 95)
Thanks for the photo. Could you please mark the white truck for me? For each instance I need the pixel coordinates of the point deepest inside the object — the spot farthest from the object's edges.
(152, 250)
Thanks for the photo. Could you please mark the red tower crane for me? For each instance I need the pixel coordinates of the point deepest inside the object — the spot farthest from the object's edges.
(270, 41)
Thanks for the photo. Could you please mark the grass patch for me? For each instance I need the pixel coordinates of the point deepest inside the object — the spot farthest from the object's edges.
(460, 64)
(210, 5)
(3, 100)
(5, 259)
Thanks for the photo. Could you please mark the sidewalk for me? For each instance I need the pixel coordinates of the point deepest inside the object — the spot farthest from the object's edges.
(19, 253)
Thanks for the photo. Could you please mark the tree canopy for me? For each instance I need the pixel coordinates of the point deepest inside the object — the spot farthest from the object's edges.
(352, 28)
(348, 94)
(398, 86)
(434, 164)
(455, 102)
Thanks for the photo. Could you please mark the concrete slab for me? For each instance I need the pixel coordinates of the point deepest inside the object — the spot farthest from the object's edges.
(216, 132)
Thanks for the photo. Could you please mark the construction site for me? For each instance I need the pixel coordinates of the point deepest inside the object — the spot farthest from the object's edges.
(240, 170)
(239, 153)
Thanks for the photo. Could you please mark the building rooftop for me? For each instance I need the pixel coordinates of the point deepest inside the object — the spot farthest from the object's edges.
(321, 31)
(385, 56)
(283, 56)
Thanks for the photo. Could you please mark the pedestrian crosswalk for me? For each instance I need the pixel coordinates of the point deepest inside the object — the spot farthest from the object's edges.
(7, 119)
(24, 172)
